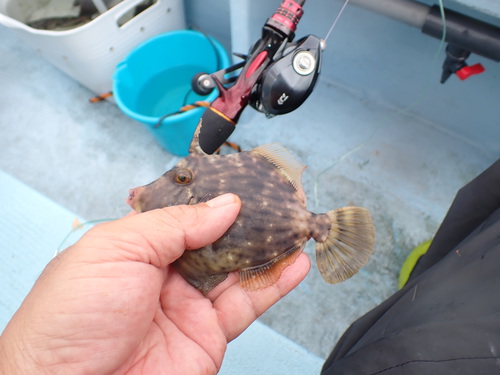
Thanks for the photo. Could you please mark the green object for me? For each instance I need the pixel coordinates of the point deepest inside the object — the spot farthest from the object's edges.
(410, 262)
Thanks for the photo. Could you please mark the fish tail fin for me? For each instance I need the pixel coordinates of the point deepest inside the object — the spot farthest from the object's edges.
(348, 246)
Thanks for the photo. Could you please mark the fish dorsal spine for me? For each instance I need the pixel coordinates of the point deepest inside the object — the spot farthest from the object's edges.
(195, 147)
(284, 161)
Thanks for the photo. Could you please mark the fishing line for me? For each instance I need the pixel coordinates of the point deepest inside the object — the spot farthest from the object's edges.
(425, 89)
(168, 166)
(420, 98)
(336, 19)
(75, 228)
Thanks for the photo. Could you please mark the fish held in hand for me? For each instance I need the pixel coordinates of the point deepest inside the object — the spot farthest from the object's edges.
(273, 225)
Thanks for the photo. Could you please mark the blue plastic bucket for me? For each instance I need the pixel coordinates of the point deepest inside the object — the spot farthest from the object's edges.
(155, 80)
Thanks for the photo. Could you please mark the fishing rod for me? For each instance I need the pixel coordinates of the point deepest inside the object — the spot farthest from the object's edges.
(276, 77)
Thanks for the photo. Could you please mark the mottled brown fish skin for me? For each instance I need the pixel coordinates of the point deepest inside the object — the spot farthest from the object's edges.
(273, 217)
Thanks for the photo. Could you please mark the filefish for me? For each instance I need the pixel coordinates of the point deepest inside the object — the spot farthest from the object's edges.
(273, 225)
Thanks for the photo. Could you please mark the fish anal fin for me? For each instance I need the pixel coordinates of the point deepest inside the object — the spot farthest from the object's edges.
(265, 275)
(284, 161)
(348, 246)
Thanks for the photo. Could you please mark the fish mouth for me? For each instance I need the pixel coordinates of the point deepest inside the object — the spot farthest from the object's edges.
(132, 201)
(191, 198)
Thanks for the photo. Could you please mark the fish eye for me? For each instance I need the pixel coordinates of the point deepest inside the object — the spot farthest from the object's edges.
(183, 176)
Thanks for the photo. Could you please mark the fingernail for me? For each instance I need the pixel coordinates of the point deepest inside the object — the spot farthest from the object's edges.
(222, 200)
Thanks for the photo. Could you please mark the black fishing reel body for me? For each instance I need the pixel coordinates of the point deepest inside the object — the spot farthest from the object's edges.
(290, 79)
(284, 85)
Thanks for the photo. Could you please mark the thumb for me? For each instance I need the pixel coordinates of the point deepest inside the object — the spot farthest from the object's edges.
(160, 236)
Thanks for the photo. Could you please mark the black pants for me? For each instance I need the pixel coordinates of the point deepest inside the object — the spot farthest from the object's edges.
(446, 320)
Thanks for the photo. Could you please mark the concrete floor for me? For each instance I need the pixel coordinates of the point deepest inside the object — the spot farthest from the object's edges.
(405, 169)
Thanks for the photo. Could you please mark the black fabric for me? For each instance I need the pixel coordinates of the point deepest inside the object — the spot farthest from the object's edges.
(446, 320)
(472, 205)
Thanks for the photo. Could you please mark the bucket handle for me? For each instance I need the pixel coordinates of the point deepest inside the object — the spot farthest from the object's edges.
(115, 13)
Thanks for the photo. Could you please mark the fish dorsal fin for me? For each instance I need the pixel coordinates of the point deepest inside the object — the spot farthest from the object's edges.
(265, 275)
(284, 161)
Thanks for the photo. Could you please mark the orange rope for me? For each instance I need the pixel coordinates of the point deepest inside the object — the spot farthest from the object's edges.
(100, 98)
(183, 109)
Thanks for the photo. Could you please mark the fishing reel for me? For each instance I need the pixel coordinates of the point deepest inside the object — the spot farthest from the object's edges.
(284, 85)
(276, 77)
(290, 79)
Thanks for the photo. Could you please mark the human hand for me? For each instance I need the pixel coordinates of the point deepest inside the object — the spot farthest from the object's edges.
(113, 304)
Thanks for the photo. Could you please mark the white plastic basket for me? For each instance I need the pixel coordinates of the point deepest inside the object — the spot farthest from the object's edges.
(90, 53)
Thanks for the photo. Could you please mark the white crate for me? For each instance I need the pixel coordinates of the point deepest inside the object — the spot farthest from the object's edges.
(90, 53)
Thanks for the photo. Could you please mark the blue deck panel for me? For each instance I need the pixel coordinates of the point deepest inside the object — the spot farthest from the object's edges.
(32, 229)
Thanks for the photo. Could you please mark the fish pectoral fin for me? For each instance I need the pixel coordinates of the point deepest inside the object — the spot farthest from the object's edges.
(349, 244)
(205, 198)
(265, 275)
